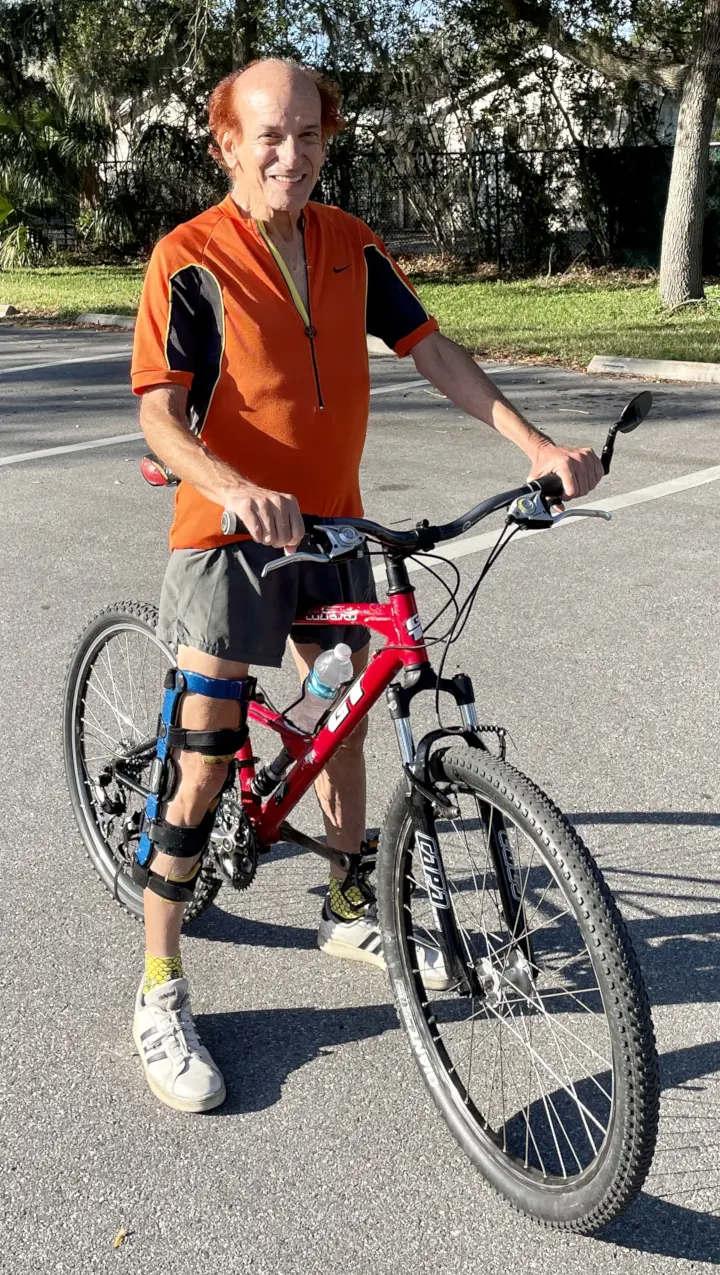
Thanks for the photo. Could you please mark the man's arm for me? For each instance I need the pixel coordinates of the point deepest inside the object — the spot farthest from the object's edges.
(456, 374)
(271, 517)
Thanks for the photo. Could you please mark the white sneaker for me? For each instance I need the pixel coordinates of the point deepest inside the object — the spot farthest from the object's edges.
(178, 1067)
(361, 940)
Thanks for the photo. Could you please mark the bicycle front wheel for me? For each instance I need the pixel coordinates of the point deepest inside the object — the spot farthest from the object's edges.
(547, 1074)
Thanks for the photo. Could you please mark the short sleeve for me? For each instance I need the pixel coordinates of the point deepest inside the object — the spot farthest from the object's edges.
(165, 340)
(394, 311)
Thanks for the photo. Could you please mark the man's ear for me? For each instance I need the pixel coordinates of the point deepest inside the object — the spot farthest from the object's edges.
(227, 146)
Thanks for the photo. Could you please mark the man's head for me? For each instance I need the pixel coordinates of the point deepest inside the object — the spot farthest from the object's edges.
(271, 122)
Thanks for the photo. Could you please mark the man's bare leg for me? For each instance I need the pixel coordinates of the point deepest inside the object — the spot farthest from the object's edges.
(199, 783)
(178, 1069)
(341, 788)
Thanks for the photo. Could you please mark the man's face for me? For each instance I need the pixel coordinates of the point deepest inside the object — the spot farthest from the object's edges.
(276, 154)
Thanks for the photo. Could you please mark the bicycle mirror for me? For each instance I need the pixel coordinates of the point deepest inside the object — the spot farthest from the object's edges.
(634, 412)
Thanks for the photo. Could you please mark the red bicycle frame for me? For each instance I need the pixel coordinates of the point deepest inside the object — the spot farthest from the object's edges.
(398, 621)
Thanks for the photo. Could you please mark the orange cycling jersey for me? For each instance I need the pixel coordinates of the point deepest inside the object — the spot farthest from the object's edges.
(279, 392)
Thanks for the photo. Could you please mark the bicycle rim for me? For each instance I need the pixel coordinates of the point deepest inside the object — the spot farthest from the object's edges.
(115, 701)
(530, 1064)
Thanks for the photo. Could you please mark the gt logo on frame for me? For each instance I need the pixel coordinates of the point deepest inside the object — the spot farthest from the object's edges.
(338, 717)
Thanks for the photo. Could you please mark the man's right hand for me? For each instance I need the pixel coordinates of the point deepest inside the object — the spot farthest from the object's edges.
(271, 517)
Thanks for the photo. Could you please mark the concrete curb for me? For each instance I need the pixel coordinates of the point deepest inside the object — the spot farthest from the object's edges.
(378, 348)
(106, 320)
(656, 369)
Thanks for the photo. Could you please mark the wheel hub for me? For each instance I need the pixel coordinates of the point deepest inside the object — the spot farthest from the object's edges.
(501, 980)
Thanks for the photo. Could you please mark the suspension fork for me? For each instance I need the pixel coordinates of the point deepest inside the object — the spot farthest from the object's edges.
(426, 848)
(424, 801)
(509, 881)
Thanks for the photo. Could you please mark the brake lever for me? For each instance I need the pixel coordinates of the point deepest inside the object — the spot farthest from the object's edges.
(342, 540)
(582, 513)
(298, 556)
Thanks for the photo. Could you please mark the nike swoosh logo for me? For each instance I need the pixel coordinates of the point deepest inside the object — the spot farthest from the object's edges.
(339, 269)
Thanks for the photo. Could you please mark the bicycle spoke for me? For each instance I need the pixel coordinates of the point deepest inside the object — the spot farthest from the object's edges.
(534, 1073)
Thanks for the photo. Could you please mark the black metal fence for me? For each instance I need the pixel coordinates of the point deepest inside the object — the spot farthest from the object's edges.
(521, 210)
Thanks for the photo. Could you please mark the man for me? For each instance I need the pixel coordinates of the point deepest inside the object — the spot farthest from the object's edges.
(251, 359)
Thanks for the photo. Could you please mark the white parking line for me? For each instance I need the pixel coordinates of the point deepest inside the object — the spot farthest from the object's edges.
(394, 389)
(86, 358)
(474, 544)
(69, 447)
(21, 457)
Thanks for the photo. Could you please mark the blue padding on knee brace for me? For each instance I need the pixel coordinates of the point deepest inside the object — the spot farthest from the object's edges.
(171, 695)
(215, 687)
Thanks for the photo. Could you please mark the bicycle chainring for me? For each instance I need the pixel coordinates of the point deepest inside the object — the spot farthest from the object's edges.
(233, 844)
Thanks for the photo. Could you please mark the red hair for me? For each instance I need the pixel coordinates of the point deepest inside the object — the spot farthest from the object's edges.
(222, 115)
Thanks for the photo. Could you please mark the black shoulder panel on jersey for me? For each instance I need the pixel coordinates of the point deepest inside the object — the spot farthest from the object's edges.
(393, 311)
(195, 337)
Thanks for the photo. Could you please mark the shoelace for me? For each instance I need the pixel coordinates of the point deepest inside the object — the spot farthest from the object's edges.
(181, 1031)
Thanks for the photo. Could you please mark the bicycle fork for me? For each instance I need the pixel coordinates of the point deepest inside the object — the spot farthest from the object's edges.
(427, 804)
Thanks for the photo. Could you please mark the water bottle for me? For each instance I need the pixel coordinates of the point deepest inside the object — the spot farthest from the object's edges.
(330, 671)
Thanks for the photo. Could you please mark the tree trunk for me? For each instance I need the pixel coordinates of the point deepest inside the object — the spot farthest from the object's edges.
(681, 259)
(246, 33)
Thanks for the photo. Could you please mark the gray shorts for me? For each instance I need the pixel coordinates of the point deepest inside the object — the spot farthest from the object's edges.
(208, 603)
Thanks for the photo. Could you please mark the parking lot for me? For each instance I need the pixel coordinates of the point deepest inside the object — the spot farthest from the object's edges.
(595, 645)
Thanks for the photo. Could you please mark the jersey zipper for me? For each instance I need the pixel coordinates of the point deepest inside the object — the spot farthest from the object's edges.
(310, 331)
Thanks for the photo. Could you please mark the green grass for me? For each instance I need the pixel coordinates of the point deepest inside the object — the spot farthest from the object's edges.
(63, 291)
(561, 321)
(570, 322)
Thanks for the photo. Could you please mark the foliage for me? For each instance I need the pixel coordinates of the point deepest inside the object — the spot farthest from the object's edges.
(103, 124)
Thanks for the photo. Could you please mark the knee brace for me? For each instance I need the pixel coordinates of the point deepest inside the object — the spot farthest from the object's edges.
(216, 746)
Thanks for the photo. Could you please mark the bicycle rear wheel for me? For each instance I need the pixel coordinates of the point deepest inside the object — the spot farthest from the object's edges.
(548, 1075)
(112, 700)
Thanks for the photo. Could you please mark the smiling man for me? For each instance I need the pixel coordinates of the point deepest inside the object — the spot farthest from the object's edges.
(251, 359)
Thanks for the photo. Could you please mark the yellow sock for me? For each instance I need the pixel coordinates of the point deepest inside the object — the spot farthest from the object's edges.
(160, 969)
(349, 903)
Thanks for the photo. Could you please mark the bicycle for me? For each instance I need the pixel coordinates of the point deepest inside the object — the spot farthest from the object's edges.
(541, 1058)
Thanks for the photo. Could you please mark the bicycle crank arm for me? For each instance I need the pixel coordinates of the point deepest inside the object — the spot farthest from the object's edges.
(343, 861)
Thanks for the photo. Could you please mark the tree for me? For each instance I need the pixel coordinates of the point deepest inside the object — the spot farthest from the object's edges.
(676, 48)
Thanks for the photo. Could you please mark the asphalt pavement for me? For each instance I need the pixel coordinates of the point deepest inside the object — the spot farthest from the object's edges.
(597, 647)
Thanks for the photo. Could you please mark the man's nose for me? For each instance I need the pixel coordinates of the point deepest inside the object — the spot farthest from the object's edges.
(289, 150)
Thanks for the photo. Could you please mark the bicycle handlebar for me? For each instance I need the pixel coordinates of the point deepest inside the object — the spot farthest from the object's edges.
(423, 536)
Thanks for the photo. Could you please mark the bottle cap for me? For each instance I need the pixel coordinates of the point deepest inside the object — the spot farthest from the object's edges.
(343, 652)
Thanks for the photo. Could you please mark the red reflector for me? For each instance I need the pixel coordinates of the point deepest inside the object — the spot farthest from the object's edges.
(152, 473)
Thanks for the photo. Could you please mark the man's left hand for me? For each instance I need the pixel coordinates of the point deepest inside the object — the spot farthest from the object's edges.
(578, 467)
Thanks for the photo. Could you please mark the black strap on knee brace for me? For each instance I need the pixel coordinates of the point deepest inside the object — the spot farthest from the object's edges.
(211, 743)
(173, 891)
(179, 843)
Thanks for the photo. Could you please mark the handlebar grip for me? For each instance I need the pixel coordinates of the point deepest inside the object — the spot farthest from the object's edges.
(230, 524)
(551, 486)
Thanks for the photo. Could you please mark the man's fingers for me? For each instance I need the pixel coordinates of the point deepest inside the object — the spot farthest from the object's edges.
(270, 536)
(297, 526)
(248, 514)
(571, 487)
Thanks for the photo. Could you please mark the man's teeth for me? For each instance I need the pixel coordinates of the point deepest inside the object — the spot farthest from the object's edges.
(286, 180)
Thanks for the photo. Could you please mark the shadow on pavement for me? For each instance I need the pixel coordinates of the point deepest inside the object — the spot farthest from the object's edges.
(656, 1225)
(684, 818)
(258, 1049)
